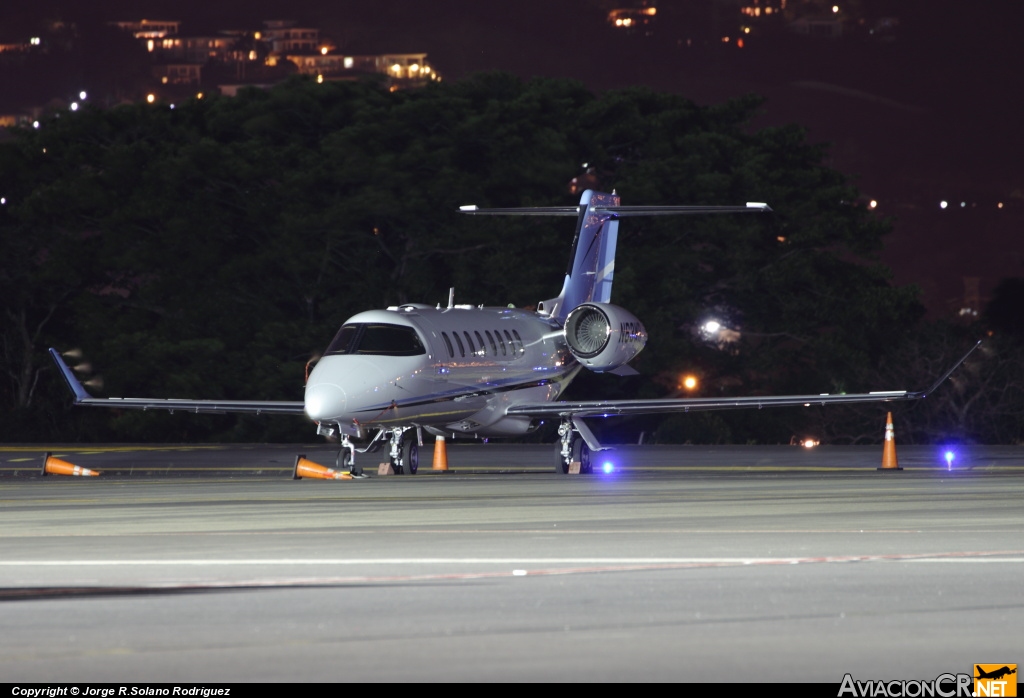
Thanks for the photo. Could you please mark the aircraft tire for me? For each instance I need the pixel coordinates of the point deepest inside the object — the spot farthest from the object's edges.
(561, 467)
(345, 463)
(410, 455)
(581, 452)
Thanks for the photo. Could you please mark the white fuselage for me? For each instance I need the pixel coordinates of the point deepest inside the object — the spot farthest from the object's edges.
(451, 370)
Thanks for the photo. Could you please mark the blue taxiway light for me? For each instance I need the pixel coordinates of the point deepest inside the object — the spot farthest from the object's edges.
(608, 467)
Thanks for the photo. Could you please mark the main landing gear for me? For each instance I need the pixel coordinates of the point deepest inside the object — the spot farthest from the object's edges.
(404, 453)
(570, 448)
(405, 450)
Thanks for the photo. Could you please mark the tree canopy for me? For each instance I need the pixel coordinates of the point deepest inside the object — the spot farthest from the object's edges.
(208, 249)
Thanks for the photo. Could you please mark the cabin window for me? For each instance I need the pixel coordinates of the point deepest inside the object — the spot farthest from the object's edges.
(480, 342)
(494, 347)
(501, 342)
(448, 343)
(458, 342)
(511, 343)
(378, 340)
(522, 347)
(469, 341)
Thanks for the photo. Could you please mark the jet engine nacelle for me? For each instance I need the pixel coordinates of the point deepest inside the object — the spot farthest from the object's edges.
(603, 336)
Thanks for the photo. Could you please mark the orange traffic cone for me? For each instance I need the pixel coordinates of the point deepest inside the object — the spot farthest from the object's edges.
(440, 455)
(56, 466)
(889, 450)
(307, 468)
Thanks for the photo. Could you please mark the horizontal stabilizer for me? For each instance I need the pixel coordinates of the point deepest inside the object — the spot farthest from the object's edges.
(621, 211)
(616, 211)
(535, 211)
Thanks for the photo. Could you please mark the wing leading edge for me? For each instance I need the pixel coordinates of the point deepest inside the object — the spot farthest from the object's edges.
(82, 397)
(611, 408)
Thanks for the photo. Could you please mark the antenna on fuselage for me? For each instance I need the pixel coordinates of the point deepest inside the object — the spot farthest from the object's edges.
(451, 298)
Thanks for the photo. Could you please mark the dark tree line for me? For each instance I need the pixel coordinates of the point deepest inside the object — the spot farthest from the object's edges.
(209, 250)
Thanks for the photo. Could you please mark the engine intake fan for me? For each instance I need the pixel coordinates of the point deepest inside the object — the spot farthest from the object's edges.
(603, 336)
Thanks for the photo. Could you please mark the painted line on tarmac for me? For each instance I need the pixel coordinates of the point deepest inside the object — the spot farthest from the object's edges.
(126, 470)
(593, 566)
(856, 467)
(986, 559)
(43, 448)
(121, 469)
(524, 531)
(959, 556)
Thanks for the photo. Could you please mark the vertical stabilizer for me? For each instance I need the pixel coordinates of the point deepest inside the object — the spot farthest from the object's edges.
(592, 264)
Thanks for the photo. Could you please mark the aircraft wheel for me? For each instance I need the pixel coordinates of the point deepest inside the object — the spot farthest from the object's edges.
(561, 467)
(582, 453)
(345, 463)
(410, 455)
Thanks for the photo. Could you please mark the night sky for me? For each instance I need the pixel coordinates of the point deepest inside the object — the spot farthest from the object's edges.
(935, 115)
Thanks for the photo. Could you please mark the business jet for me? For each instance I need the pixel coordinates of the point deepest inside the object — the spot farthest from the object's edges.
(390, 375)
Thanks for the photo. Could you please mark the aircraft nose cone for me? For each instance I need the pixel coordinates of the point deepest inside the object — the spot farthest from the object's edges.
(325, 401)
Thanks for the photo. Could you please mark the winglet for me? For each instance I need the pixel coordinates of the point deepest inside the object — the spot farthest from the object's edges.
(69, 377)
(940, 381)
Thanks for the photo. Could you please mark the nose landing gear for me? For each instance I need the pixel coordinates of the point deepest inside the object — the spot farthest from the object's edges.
(404, 452)
(347, 457)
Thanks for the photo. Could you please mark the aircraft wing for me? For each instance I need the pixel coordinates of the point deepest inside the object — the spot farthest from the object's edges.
(611, 408)
(82, 397)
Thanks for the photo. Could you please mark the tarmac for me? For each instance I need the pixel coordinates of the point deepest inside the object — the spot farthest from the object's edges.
(738, 564)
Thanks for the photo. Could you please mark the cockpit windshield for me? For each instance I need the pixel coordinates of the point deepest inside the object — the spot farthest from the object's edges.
(376, 339)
